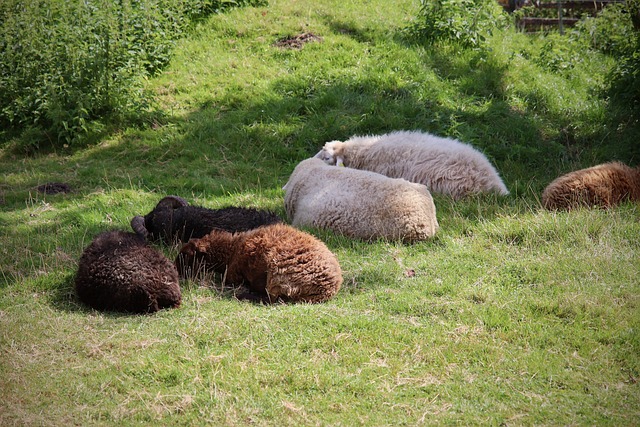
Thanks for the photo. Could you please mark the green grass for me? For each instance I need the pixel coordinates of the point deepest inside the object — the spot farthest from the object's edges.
(511, 315)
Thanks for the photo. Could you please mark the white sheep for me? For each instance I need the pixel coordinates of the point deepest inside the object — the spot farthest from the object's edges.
(444, 165)
(358, 203)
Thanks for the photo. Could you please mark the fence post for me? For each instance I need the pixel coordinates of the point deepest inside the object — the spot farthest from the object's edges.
(560, 26)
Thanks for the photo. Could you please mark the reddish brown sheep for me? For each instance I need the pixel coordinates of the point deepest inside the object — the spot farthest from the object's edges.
(118, 271)
(604, 185)
(274, 262)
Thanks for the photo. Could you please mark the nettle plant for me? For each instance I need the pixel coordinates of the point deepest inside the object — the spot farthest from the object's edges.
(65, 66)
(466, 22)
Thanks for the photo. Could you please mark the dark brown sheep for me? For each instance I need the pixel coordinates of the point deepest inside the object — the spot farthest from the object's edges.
(174, 219)
(274, 262)
(605, 185)
(118, 271)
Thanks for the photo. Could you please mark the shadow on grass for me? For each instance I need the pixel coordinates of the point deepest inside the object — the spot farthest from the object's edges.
(252, 145)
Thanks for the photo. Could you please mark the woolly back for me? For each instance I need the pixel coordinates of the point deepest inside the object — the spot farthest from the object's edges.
(635, 194)
(275, 240)
(173, 219)
(118, 271)
(298, 266)
(444, 165)
(604, 185)
(359, 203)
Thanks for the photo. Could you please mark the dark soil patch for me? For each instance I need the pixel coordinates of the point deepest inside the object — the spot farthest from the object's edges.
(54, 188)
(296, 42)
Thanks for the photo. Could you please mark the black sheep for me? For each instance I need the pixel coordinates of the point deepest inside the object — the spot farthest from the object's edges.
(118, 271)
(174, 219)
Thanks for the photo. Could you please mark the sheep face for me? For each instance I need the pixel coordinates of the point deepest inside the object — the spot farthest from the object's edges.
(199, 256)
(332, 153)
(192, 261)
(159, 223)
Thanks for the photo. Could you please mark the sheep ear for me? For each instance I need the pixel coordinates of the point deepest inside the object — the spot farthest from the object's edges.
(172, 202)
(138, 225)
(340, 161)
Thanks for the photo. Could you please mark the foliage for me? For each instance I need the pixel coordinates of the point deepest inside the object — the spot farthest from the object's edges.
(614, 32)
(66, 64)
(511, 315)
(466, 22)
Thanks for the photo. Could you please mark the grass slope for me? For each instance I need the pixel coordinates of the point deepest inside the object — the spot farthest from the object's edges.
(510, 316)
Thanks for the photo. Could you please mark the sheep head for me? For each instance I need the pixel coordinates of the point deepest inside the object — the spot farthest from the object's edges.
(153, 225)
(209, 253)
(171, 202)
(190, 261)
(332, 153)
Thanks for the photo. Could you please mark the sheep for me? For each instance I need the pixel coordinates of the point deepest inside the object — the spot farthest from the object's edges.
(275, 262)
(359, 204)
(604, 185)
(118, 271)
(444, 165)
(174, 219)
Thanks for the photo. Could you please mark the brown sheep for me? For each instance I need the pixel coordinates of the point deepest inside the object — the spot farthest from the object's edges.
(274, 262)
(604, 185)
(118, 271)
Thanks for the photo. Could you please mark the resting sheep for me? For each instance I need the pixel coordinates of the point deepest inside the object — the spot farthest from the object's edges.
(118, 271)
(174, 219)
(604, 185)
(274, 262)
(444, 165)
(359, 203)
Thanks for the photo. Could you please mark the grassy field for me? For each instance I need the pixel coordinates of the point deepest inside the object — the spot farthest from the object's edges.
(511, 315)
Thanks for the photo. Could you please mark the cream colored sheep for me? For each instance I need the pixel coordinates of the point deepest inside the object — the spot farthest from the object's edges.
(603, 185)
(444, 165)
(359, 203)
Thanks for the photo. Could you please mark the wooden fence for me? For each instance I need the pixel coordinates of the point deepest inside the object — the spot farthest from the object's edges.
(565, 16)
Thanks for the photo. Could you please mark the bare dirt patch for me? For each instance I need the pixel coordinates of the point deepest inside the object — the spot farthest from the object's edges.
(296, 42)
(54, 188)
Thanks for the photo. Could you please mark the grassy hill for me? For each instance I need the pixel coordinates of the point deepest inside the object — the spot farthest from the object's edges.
(511, 315)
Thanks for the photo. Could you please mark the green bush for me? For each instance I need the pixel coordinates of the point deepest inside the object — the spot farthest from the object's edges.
(64, 65)
(615, 32)
(466, 22)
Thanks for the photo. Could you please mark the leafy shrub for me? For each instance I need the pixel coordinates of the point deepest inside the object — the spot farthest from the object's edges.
(66, 64)
(465, 22)
(615, 32)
